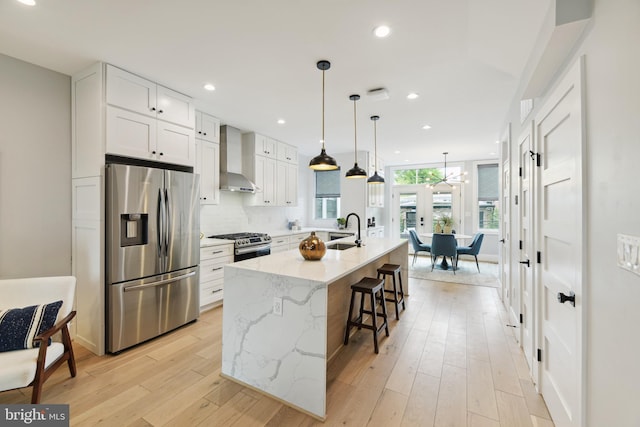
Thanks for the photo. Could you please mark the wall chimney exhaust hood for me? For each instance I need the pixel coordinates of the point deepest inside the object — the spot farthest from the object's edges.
(231, 176)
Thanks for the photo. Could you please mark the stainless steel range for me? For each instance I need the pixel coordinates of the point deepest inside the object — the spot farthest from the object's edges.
(248, 245)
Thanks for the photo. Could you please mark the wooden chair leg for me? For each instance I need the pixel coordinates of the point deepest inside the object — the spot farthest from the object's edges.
(68, 348)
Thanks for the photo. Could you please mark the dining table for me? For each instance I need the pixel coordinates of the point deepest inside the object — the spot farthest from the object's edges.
(444, 265)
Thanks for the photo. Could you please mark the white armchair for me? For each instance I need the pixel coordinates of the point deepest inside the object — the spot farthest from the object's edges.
(32, 366)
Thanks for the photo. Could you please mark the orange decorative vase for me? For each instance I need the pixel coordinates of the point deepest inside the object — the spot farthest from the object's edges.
(312, 248)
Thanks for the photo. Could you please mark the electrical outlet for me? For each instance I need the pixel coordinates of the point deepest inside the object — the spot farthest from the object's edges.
(277, 306)
(629, 253)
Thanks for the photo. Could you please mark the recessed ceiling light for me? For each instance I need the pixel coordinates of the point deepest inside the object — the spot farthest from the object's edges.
(498, 141)
(28, 2)
(281, 121)
(382, 31)
(425, 127)
(209, 86)
(406, 160)
(492, 154)
(412, 95)
(397, 152)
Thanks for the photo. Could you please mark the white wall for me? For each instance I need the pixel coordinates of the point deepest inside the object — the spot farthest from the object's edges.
(612, 295)
(35, 170)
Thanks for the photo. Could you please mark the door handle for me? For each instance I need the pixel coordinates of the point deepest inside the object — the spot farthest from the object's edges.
(501, 240)
(421, 220)
(562, 298)
(526, 262)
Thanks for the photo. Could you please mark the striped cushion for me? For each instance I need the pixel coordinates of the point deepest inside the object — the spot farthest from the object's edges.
(19, 326)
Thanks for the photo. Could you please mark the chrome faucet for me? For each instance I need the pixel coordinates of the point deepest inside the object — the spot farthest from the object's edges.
(358, 240)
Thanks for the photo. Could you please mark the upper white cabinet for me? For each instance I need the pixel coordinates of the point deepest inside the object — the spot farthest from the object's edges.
(286, 184)
(148, 121)
(276, 179)
(207, 127)
(287, 153)
(262, 145)
(134, 93)
(208, 166)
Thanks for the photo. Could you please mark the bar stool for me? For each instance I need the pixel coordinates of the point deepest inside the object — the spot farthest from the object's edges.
(372, 287)
(392, 269)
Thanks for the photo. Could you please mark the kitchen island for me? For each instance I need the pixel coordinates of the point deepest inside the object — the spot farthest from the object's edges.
(284, 318)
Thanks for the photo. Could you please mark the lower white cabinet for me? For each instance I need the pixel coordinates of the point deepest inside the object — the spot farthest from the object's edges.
(375, 232)
(279, 244)
(294, 241)
(212, 262)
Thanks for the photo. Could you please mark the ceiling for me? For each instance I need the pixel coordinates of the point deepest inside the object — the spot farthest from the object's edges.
(463, 57)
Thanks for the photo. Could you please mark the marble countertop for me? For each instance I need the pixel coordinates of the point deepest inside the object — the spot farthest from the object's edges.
(334, 265)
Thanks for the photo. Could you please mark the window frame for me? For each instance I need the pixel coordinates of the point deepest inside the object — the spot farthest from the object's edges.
(476, 208)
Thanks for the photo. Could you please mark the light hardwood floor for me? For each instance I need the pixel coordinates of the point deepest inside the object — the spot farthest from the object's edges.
(450, 361)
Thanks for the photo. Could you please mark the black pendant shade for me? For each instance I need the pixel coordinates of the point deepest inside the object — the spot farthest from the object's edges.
(323, 161)
(375, 178)
(356, 171)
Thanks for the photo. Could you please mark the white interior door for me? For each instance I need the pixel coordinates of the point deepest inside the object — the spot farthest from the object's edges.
(505, 222)
(527, 165)
(559, 140)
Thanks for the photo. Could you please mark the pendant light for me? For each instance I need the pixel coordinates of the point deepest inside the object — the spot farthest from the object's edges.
(323, 162)
(375, 178)
(356, 171)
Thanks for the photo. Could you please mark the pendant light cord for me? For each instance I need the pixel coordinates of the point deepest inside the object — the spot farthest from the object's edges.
(375, 147)
(323, 109)
(355, 133)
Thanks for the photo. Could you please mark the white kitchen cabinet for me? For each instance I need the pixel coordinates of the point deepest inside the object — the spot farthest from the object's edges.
(212, 262)
(279, 244)
(286, 189)
(265, 180)
(277, 180)
(375, 232)
(260, 145)
(137, 94)
(207, 127)
(294, 241)
(287, 153)
(208, 166)
(135, 135)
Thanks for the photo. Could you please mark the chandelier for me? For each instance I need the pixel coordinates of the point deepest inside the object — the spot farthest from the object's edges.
(449, 179)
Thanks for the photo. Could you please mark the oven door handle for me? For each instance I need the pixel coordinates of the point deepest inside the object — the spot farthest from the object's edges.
(257, 248)
(159, 282)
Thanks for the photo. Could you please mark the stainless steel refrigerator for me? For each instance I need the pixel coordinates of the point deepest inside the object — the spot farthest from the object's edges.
(153, 252)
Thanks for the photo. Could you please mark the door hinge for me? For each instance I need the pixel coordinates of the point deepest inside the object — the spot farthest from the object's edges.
(539, 257)
(539, 355)
(520, 244)
(538, 160)
(521, 318)
(520, 171)
(516, 199)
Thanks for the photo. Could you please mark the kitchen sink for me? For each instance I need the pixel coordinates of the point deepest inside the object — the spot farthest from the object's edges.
(341, 246)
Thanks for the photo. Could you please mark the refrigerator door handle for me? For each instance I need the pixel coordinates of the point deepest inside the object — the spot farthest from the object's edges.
(158, 283)
(160, 229)
(168, 223)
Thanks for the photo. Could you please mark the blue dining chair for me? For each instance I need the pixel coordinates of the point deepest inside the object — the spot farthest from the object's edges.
(444, 245)
(418, 246)
(472, 249)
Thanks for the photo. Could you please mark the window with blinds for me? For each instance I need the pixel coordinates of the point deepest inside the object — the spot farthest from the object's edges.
(327, 200)
(488, 190)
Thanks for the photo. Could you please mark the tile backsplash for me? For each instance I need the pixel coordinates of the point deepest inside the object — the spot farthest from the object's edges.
(232, 216)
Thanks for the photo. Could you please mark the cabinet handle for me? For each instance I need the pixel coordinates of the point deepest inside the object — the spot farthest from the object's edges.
(216, 252)
(204, 198)
(161, 153)
(153, 152)
(160, 111)
(205, 134)
(153, 108)
(216, 290)
(216, 269)
(200, 132)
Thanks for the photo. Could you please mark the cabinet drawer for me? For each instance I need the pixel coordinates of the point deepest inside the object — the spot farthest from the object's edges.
(277, 241)
(212, 252)
(298, 238)
(213, 268)
(211, 292)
